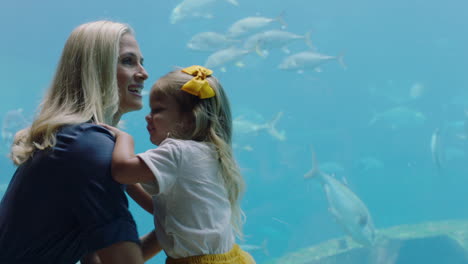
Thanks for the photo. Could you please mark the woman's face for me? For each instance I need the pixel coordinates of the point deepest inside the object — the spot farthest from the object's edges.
(165, 117)
(130, 74)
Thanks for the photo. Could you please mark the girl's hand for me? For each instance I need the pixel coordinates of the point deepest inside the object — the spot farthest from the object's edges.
(115, 131)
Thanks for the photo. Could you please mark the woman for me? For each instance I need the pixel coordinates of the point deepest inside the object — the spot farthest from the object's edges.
(62, 203)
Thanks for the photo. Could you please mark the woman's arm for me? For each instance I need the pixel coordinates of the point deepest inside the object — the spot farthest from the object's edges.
(127, 168)
(141, 197)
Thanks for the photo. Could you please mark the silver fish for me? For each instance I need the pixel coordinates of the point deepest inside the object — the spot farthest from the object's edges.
(345, 206)
(250, 24)
(210, 41)
(194, 8)
(267, 40)
(369, 163)
(224, 56)
(399, 117)
(13, 121)
(436, 150)
(250, 248)
(247, 148)
(308, 60)
(242, 126)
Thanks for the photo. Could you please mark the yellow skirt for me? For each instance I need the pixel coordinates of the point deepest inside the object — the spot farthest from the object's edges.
(235, 256)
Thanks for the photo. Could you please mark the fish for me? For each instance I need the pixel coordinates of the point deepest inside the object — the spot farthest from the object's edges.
(280, 221)
(267, 40)
(348, 210)
(463, 135)
(250, 248)
(249, 24)
(416, 90)
(224, 56)
(453, 154)
(308, 60)
(368, 163)
(13, 121)
(194, 8)
(397, 92)
(247, 148)
(458, 129)
(242, 126)
(210, 41)
(399, 117)
(436, 151)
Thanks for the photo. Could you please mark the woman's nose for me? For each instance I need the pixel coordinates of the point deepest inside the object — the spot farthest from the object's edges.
(142, 74)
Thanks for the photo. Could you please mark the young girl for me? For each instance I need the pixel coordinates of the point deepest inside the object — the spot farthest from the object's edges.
(192, 176)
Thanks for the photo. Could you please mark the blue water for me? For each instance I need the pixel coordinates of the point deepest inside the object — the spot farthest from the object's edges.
(390, 48)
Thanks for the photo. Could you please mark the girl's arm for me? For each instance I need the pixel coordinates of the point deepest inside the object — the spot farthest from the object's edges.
(91, 258)
(127, 168)
(121, 253)
(141, 197)
(149, 248)
(150, 245)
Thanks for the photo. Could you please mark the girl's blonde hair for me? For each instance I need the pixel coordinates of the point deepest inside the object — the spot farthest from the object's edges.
(212, 122)
(83, 89)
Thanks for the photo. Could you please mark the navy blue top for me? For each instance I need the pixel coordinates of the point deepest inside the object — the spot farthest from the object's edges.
(63, 203)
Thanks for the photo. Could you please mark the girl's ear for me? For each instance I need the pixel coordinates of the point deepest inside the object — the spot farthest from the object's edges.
(189, 122)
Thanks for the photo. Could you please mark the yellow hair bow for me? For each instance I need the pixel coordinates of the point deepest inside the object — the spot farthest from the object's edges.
(198, 85)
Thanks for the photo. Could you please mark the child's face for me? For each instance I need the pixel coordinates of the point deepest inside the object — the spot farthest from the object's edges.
(165, 117)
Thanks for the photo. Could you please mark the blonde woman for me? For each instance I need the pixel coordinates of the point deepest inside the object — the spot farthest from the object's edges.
(192, 175)
(62, 203)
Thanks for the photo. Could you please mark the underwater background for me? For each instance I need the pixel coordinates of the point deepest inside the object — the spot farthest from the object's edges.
(387, 112)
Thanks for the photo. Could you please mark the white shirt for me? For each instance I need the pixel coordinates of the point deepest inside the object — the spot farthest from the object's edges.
(192, 213)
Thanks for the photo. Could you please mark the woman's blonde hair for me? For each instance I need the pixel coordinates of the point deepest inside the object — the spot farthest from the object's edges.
(83, 89)
(211, 121)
